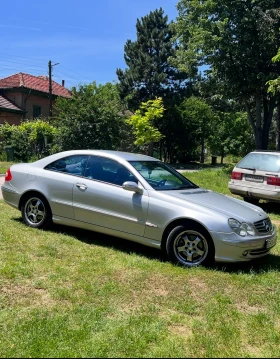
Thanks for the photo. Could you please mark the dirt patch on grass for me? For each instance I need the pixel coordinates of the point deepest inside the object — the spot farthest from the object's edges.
(163, 290)
(249, 309)
(181, 330)
(27, 296)
(276, 222)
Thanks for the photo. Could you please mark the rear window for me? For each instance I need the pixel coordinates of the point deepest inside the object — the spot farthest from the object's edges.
(74, 165)
(260, 161)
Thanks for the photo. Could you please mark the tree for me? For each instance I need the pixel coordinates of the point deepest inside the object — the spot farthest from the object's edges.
(92, 118)
(142, 123)
(198, 117)
(274, 88)
(149, 75)
(231, 135)
(236, 40)
(274, 85)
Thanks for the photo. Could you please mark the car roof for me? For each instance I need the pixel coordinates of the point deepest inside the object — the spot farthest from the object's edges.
(271, 152)
(117, 155)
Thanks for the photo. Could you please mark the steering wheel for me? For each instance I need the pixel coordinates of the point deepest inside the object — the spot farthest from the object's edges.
(161, 183)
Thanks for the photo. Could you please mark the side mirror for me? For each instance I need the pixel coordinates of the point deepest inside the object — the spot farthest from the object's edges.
(132, 186)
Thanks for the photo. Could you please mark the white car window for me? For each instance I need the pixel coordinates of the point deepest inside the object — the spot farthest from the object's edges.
(260, 161)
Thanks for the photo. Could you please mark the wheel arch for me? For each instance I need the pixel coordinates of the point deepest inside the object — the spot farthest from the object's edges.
(186, 222)
(31, 193)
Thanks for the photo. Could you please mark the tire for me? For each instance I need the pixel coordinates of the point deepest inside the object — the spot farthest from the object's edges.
(36, 212)
(190, 246)
(252, 200)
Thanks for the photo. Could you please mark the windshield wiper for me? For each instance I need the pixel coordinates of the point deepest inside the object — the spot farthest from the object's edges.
(248, 168)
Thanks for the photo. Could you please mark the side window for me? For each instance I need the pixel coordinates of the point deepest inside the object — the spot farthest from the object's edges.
(107, 170)
(94, 169)
(74, 165)
(123, 175)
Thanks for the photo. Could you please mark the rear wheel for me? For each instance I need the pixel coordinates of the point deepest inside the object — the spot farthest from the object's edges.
(251, 200)
(36, 212)
(190, 246)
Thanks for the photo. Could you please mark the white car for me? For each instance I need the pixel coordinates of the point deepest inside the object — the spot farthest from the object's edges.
(141, 199)
(257, 176)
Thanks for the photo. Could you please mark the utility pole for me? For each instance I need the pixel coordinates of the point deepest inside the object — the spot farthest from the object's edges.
(50, 86)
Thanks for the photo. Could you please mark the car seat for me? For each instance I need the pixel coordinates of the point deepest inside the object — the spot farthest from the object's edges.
(94, 170)
(123, 175)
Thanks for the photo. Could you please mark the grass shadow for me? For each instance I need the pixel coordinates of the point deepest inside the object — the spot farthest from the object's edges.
(107, 241)
(104, 240)
(269, 263)
(266, 264)
(270, 207)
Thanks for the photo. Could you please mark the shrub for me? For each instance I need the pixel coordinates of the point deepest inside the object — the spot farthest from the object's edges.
(228, 168)
(28, 139)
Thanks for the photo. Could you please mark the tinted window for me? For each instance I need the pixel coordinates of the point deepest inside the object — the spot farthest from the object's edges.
(75, 165)
(107, 170)
(260, 161)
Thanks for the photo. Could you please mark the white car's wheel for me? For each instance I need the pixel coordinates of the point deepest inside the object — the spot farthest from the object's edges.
(190, 246)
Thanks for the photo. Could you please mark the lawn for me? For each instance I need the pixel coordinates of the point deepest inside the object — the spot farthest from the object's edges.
(4, 166)
(72, 293)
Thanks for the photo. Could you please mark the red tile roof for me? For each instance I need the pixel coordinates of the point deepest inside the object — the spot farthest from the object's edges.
(39, 83)
(6, 104)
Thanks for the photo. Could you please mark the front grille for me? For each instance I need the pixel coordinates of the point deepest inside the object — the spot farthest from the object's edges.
(263, 226)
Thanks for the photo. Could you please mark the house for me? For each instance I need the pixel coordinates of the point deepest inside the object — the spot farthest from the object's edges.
(24, 96)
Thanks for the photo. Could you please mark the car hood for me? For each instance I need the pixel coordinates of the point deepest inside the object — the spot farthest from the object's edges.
(229, 206)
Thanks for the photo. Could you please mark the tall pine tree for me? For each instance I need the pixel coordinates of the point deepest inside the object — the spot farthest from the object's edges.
(149, 75)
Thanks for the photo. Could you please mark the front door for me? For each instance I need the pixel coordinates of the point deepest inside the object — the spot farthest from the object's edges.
(99, 199)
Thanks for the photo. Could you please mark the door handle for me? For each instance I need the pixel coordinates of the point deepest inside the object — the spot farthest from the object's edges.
(82, 186)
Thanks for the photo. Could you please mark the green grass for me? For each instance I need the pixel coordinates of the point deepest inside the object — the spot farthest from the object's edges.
(73, 293)
(216, 180)
(4, 166)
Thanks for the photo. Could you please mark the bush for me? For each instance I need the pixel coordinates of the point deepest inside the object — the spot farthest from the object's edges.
(28, 139)
(228, 168)
(3, 156)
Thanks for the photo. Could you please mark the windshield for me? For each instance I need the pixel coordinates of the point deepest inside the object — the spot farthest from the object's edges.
(260, 161)
(161, 176)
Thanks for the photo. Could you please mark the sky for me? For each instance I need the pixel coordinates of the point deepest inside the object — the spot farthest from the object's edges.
(84, 39)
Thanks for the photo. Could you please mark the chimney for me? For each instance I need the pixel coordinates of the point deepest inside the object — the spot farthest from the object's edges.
(63, 83)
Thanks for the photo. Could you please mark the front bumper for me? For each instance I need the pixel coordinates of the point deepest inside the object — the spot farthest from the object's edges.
(229, 247)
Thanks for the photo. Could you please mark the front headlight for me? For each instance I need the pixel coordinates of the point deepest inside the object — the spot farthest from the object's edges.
(243, 229)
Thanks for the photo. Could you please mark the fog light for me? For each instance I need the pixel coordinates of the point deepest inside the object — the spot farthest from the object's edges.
(245, 253)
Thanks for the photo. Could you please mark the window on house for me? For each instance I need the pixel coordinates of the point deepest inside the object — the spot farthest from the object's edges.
(37, 111)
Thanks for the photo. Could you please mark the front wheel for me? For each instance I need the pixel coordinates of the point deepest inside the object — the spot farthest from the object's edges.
(36, 212)
(190, 246)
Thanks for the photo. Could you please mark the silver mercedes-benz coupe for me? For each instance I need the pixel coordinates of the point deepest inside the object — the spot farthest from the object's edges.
(142, 199)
